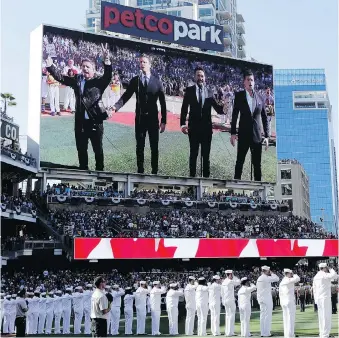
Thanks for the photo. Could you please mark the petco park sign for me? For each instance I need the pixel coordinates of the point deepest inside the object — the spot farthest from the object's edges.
(158, 26)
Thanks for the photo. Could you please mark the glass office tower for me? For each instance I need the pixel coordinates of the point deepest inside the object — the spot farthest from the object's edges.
(303, 117)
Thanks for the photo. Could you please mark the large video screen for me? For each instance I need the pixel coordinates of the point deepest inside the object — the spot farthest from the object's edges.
(127, 106)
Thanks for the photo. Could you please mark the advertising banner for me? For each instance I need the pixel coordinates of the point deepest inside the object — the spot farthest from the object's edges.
(166, 248)
(162, 27)
(9, 130)
(128, 106)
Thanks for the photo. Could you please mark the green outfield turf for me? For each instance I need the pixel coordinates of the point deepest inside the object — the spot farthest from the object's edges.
(306, 324)
(57, 145)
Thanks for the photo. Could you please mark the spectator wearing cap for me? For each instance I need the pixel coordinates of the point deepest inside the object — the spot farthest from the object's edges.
(20, 315)
(201, 298)
(42, 313)
(49, 312)
(117, 293)
(128, 310)
(99, 308)
(228, 299)
(191, 307)
(322, 297)
(155, 300)
(87, 308)
(287, 301)
(78, 308)
(244, 303)
(172, 302)
(214, 300)
(57, 311)
(140, 305)
(264, 295)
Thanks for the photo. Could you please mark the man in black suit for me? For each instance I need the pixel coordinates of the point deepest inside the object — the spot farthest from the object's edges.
(89, 113)
(252, 109)
(199, 129)
(148, 90)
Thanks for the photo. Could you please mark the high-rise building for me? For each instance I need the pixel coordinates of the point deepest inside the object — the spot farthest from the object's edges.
(304, 129)
(293, 187)
(219, 12)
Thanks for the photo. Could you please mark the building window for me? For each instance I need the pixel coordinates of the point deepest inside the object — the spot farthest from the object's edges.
(286, 189)
(174, 13)
(286, 174)
(145, 2)
(289, 202)
(304, 105)
(205, 12)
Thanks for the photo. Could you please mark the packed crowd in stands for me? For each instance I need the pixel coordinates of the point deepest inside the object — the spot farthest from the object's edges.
(16, 242)
(14, 151)
(71, 190)
(11, 202)
(182, 223)
(153, 194)
(49, 280)
(174, 71)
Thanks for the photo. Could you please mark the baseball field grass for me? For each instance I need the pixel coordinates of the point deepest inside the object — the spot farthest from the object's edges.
(57, 145)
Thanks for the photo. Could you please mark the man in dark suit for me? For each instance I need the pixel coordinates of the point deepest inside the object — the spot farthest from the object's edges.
(89, 113)
(251, 108)
(199, 129)
(148, 90)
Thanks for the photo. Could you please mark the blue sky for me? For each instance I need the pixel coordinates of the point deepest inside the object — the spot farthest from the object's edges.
(286, 34)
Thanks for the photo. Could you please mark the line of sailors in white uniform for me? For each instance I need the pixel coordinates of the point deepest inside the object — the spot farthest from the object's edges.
(200, 297)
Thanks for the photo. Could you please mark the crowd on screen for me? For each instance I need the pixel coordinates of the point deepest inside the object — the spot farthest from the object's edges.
(186, 223)
(175, 72)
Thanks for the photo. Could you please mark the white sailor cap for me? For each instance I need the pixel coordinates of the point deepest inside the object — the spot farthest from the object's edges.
(69, 289)
(51, 293)
(2, 294)
(265, 268)
(58, 291)
(287, 271)
(115, 286)
(156, 282)
(13, 295)
(229, 271)
(142, 282)
(201, 278)
(43, 294)
(173, 285)
(37, 291)
(78, 288)
(322, 265)
(191, 278)
(107, 287)
(128, 288)
(216, 277)
(8, 296)
(89, 286)
(243, 279)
